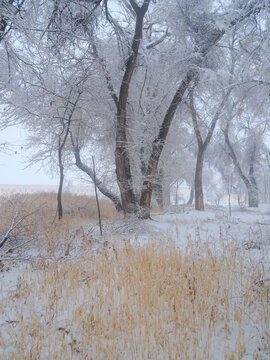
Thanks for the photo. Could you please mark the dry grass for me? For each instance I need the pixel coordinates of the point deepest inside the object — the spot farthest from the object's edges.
(73, 205)
(131, 302)
(42, 223)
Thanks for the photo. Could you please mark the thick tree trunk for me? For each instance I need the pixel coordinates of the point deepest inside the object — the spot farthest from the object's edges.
(158, 145)
(199, 203)
(122, 159)
(191, 195)
(124, 180)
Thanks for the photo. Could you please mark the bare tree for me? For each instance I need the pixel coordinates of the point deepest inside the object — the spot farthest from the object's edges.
(122, 157)
(203, 144)
(75, 41)
(62, 138)
(249, 180)
(213, 36)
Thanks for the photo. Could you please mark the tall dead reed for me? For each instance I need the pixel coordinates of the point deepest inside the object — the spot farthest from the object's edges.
(131, 302)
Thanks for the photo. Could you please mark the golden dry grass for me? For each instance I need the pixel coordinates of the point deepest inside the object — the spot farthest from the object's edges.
(73, 205)
(131, 302)
(43, 222)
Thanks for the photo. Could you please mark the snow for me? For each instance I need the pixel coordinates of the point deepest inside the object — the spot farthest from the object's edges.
(246, 230)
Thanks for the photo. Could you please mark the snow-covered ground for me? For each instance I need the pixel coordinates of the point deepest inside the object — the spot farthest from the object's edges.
(249, 228)
(247, 231)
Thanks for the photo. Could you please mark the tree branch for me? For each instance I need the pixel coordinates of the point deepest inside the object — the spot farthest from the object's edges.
(14, 225)
(86, 169)
(215, 118)
(158, 41)
(194, 118)
(106, 74)
(234, 158)
(135, 6)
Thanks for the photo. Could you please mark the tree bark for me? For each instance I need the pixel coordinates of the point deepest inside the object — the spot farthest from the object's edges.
(199, 202)
(122, 158)
(253, 196)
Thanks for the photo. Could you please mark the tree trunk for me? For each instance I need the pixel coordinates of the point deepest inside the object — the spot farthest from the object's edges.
(158, 144)
(122, 159)
(96, 193)
(61, 145)
(158, 188)
(199, 203)
(60, 187)
(253, 196)
(251, 185)
(191, 195)
(124, 180)
(203, 144)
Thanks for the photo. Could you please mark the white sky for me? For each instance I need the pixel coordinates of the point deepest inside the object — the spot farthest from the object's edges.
(14, 169)
(12, 165)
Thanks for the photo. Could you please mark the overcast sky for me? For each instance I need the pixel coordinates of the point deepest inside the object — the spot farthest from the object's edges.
(12, 165)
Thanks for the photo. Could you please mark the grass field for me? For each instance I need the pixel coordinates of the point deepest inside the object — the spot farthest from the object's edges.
(123, 300)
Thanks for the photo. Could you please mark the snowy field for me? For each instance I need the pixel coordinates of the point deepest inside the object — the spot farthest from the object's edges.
(184, 285)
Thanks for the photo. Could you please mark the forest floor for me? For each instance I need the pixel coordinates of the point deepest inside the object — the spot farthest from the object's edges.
(184, 285)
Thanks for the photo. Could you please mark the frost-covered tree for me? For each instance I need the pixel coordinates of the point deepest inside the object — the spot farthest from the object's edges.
(203, 22)
(204, 142)
(246, 123)
(145, 56)
(244, 151)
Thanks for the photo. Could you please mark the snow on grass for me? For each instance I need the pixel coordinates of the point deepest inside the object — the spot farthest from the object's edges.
(191, 286)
